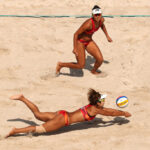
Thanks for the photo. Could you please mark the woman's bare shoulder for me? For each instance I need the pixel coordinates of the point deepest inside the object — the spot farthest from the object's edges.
(87, 22)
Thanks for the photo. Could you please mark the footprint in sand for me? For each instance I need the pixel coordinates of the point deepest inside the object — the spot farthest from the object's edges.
(102, 75)
(48, 76)
(2, 137)
(4, 51)
(135, 104)
(7, 73)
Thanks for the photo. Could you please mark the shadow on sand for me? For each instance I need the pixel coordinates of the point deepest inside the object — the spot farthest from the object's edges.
(96, 123)
(32, 123)
(88, 65)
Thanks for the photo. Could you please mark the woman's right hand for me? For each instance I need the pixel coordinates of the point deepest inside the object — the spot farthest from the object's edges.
(127, 114)
(75, 52)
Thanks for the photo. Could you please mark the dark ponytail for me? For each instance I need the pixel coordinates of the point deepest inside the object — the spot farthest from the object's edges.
(93, 96)
(96, 7)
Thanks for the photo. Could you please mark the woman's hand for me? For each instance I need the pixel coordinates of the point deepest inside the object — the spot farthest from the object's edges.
(109, 39)
(126, 114)
(75, 52)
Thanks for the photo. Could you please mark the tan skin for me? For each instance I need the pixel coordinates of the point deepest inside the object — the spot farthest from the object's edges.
(54, 121)
(92, 48)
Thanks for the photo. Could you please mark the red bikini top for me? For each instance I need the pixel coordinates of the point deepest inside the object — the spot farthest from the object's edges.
(85, 114)
(93, 27)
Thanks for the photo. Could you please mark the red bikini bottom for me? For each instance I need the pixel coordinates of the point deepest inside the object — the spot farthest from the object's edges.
(64, 113)
(84, 42)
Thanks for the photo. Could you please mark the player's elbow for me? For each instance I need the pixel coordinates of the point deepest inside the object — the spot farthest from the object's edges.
(76, 35)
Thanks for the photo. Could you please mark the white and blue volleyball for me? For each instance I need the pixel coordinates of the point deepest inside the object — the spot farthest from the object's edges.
(122, 101)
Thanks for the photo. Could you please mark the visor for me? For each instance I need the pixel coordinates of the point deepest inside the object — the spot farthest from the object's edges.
(103, 96)
(96, 11)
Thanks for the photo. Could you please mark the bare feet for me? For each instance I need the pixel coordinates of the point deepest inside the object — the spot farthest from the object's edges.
(99, 74)
(12, 132)
(58, 67)
(17, 97)
(95, 72)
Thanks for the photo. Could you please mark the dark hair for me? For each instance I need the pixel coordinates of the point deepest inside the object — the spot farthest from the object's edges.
(95, 7)
(93, 96)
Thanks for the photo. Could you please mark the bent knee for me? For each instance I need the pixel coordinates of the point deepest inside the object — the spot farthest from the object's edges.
(37, 115)
(81, 66)
(100, 60)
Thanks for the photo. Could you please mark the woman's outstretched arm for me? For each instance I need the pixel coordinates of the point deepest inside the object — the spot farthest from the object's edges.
(113, 112)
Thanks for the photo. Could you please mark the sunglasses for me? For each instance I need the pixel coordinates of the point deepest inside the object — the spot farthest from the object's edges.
(97, 15)
(101, 100)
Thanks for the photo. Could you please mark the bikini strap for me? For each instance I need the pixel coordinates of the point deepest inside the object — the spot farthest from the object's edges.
(89, 105)
(93, 25)
(86, 114)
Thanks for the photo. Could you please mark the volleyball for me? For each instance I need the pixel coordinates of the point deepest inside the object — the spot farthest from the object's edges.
(122, 101)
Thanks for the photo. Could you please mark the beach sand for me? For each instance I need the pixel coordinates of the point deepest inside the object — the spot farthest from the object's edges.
(29, 51)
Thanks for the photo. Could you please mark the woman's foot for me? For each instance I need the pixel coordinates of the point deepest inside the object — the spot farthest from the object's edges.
(58, 67)
(17, 97)
(95, 72)
(12, 132)
(99, 74)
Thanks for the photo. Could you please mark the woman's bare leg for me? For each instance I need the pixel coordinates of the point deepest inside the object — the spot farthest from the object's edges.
(80, 59)
(43, 116)
(93, 49)
(56, 123)
(21, 130)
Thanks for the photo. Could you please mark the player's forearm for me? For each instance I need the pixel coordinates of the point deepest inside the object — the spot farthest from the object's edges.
(113, 112)
(104, 30)
(117, 113)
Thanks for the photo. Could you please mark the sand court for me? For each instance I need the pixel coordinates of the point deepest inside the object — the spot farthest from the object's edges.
(29, 51)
